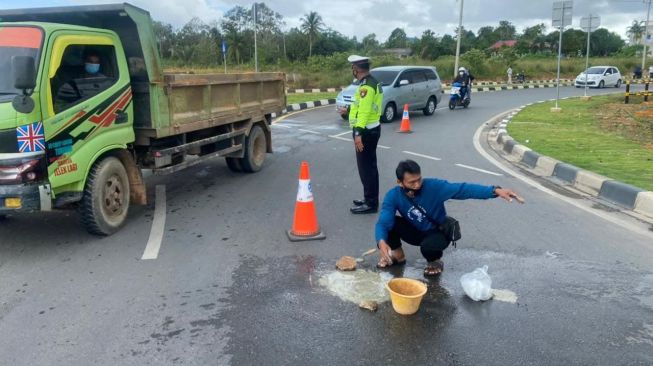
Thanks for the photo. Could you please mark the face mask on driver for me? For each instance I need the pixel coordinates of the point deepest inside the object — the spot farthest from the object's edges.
(461, 73)
(92, 68)
(411, 192)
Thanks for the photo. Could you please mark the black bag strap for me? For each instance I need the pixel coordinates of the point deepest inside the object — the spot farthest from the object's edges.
(432, 221)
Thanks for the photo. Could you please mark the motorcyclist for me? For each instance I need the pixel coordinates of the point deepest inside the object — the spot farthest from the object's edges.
(465, 78)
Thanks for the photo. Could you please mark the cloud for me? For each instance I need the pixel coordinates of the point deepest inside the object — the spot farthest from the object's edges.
(362, 17)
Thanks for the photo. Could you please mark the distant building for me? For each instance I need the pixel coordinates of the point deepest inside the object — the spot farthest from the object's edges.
(398, 52)
(499, 44)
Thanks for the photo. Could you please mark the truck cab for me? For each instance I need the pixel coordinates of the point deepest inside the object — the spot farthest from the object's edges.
(84, 105)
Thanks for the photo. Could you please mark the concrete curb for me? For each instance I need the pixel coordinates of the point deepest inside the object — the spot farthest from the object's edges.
(302, 106)
(622, 194)
(485, 86)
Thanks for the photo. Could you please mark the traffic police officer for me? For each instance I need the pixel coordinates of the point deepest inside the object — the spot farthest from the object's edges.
(364, 116)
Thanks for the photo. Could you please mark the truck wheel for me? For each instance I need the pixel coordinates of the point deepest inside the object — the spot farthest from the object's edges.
(234, 164)
(255, 150)
(105, 202)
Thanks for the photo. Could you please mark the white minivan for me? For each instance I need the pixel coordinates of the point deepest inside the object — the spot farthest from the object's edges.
(599, 77)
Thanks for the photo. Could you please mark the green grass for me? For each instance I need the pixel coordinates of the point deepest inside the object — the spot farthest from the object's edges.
(308, 97)
(603, 135)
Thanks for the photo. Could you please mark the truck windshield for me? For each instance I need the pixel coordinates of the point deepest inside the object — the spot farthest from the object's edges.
(16, 41)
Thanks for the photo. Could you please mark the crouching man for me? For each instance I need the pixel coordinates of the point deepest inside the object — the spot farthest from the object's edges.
(420, 202)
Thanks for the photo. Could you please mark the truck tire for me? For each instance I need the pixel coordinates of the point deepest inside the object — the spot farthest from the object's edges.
(234, 164)
(255, 150)
(105, 202)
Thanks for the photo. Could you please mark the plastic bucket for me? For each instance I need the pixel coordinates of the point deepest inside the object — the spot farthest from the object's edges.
(406, 294)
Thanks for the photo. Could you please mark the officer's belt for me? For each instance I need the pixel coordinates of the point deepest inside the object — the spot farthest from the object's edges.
(373, 125)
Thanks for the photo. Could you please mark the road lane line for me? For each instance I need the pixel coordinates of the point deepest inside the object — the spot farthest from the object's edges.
(624, 224)
(341, 138)
(280, 125)
(158, 225)
(421, 155)
(340, 134)
(383, 147)
(308, 131)
(479, 170)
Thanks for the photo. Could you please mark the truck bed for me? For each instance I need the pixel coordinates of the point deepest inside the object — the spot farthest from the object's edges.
(191, 102)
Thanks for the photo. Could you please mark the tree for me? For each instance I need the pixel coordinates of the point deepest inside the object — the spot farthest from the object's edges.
(636, 30)
(312, 26)
(485, 37)
(370, 44)
(448, 45)
(605, 43)
(397, 39)
(505, 31)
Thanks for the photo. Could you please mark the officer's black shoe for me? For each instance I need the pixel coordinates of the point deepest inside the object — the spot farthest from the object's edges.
(363, 209)
(358, 202)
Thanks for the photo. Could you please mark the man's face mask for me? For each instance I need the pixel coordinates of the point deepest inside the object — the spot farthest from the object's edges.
(461, 73)
(92, 68)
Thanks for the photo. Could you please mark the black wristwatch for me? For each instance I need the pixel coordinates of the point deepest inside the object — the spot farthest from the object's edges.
(494, 191)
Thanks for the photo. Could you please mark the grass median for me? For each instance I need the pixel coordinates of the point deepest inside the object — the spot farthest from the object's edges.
(308, 97)
(603, 135)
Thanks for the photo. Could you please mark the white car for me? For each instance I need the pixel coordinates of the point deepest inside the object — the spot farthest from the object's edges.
(599, 77)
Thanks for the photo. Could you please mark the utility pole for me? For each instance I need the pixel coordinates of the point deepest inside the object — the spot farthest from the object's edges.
(460, 31)
(646, 25)
(589, 24)
(562, 14)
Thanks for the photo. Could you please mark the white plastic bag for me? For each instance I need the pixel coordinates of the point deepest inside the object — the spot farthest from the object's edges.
(477, 284)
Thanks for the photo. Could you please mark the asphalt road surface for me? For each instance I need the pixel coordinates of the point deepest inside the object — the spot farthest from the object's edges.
(227, 287)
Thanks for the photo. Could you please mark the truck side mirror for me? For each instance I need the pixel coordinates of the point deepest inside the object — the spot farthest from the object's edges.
(24, 71)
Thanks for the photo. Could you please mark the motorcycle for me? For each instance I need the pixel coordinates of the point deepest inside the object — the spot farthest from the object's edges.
(456, 99)
(521, 78)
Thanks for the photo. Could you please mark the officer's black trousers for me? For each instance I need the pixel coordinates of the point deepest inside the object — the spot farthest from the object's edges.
(367, 169)
(431, 243)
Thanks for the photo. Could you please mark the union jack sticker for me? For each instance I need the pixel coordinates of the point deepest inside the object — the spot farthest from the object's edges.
(30, 137)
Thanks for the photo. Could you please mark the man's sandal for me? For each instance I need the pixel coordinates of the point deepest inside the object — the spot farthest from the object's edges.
(434, 268)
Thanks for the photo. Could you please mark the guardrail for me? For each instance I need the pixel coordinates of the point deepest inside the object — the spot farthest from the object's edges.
(645, 93)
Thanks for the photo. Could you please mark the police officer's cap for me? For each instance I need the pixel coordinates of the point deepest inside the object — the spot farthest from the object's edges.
(358, 60)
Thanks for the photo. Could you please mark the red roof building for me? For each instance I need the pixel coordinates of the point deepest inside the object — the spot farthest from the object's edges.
(500, 44)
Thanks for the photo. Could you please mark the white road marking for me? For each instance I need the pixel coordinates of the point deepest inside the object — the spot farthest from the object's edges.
(158, 225)
(384, 147)
(341, 138)
(340, 134)
(624, 224)
(479, 170)
(309, 131)
(421, 155)
(280, 125)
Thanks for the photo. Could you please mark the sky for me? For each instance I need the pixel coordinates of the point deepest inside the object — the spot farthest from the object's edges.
(362, 17)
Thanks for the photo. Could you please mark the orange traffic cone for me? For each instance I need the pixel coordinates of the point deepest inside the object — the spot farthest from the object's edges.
(405, 121)
(305, 226)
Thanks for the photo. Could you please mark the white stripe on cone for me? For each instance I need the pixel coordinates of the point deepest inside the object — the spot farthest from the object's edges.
(304, 192)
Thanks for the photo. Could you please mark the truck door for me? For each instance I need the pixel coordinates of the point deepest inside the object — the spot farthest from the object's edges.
(87, 106)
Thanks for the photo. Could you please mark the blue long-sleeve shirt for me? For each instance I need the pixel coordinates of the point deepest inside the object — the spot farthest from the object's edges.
(431, 198)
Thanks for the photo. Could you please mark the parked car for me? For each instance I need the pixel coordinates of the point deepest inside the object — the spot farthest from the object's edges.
(417, 86)
(600, 77)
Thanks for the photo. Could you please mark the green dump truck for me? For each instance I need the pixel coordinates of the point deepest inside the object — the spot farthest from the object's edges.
(85, 106)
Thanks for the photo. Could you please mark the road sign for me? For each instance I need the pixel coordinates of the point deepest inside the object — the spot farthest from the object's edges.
(590, 23)
(224, 47)
(562, 13)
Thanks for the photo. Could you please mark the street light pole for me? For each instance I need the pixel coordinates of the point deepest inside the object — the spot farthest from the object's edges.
(460, 31)
(648, 16)
(587, 57)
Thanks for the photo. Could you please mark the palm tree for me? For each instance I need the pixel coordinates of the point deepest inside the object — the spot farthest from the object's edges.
(636, 30)
(312, 25)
